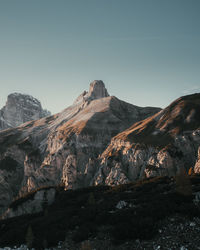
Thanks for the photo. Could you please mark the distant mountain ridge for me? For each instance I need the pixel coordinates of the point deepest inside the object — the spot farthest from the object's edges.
(19, 109)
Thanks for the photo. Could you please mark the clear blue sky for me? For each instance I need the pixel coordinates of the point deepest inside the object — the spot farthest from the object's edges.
(146, 51)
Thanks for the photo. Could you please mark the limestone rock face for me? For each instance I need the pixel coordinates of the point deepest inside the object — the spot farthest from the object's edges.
(97, 90)
(19, 109)
(159, 145)
(66, 147)
(30, 205)
(197, 165)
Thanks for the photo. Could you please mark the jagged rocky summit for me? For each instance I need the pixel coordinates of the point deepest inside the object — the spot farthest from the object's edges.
(66, 147)
(19, 109)
(97, 90)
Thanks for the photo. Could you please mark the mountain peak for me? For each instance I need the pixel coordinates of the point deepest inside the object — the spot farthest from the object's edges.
(20, 98)
(20, 108)
(97, 90)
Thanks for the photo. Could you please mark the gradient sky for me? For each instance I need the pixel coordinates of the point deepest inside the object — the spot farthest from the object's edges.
(146, 51)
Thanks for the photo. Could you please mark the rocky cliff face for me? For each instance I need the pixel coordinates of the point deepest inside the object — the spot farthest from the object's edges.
(197, 165)
(97, 90)
(19, 109)
(34, 202)
(65, 147)
(159, 145)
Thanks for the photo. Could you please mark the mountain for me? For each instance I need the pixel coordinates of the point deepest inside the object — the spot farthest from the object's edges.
(19, 109)
(65, 147)
(158, 145)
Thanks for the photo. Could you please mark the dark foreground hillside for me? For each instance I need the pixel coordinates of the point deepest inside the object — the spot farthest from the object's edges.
(123, 215)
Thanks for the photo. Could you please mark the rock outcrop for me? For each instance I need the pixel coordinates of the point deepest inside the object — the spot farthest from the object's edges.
(65, 147)
(197, 165)
(97, 90)
(19, 109)
(34, 202)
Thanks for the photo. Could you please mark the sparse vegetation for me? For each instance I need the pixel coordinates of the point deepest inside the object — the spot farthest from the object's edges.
(30, 195)
(86, 246)
(84, 211)
(191, 171)
(91, 200)
(29, 237)
(8, 164)
(183, 184)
